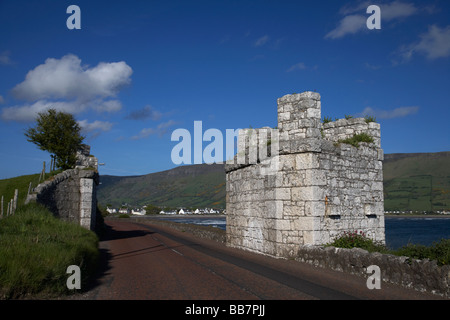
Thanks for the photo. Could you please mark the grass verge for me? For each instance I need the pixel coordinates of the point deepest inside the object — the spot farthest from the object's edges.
(439, 251)
(35, 250)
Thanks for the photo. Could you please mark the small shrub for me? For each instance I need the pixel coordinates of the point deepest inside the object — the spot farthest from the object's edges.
(369, 119)
(356, 139)
(124, 215)
(439, 251)
(415, 251)
(326, 119)
(357, 240)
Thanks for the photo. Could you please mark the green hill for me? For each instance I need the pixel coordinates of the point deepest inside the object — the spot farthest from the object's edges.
(417, 181)
(8, 186)
(21, 183)
(412, 181)
(184, 186)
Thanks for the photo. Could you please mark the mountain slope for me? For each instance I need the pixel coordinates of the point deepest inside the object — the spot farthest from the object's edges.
(412, 181)
(417, 181)
(184, 186)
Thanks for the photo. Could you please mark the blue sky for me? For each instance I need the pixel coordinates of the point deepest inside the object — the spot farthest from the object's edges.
(138, 70)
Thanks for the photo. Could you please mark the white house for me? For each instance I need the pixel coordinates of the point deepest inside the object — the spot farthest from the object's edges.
(181, 211)
(138, 212)
(111, 210)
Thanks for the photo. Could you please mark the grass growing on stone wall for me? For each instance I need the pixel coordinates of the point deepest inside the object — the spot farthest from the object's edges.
(356, 239)
(356, 139)
(438, 251)
(36, 249)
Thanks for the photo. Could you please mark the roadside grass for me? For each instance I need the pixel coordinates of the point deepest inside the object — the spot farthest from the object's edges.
(439, 251)
(35, 250)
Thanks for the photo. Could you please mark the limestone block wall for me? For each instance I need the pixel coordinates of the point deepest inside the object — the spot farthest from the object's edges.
(71, 195)
(317, 187)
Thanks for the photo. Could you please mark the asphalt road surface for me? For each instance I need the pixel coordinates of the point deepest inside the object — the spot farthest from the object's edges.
(153, 262)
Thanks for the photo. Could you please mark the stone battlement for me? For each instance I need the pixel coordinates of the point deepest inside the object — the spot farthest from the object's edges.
(299, 184)
(345, 128)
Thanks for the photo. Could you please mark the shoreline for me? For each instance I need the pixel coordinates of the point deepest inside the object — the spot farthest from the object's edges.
(179, 216)
(423, 216)
(215, 216)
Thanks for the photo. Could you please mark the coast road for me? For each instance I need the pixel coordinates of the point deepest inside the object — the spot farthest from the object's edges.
(154, 262)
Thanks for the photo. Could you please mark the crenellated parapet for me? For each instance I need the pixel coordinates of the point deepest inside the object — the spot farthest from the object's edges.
(304, 182)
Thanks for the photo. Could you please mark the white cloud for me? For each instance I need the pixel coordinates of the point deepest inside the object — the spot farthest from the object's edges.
(352, 8)
(348, 25)
(355, 17)
(65, 78)
(2, 100)
(95, 126)
(262, 41)
(433, 44)
(297, 66)
(28, 112)
(389, 114)
(160, 130)
(397, 9)
(106, 105)
(66, 85)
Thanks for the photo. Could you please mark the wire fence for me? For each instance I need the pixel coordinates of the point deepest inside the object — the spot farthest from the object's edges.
(9, 208)
(11, 205)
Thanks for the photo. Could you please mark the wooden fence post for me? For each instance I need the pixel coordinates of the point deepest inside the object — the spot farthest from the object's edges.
(42, 175)
(16, 198)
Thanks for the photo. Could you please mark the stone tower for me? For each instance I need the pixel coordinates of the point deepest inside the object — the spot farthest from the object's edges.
(317, 185)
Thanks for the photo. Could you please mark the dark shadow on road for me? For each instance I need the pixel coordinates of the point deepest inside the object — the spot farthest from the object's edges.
(107, 233)
(110, 233)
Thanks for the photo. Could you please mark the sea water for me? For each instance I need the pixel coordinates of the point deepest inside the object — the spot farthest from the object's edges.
(399, 231)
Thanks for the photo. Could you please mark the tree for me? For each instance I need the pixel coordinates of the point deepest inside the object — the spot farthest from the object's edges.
(58, 133)
(151, 209)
